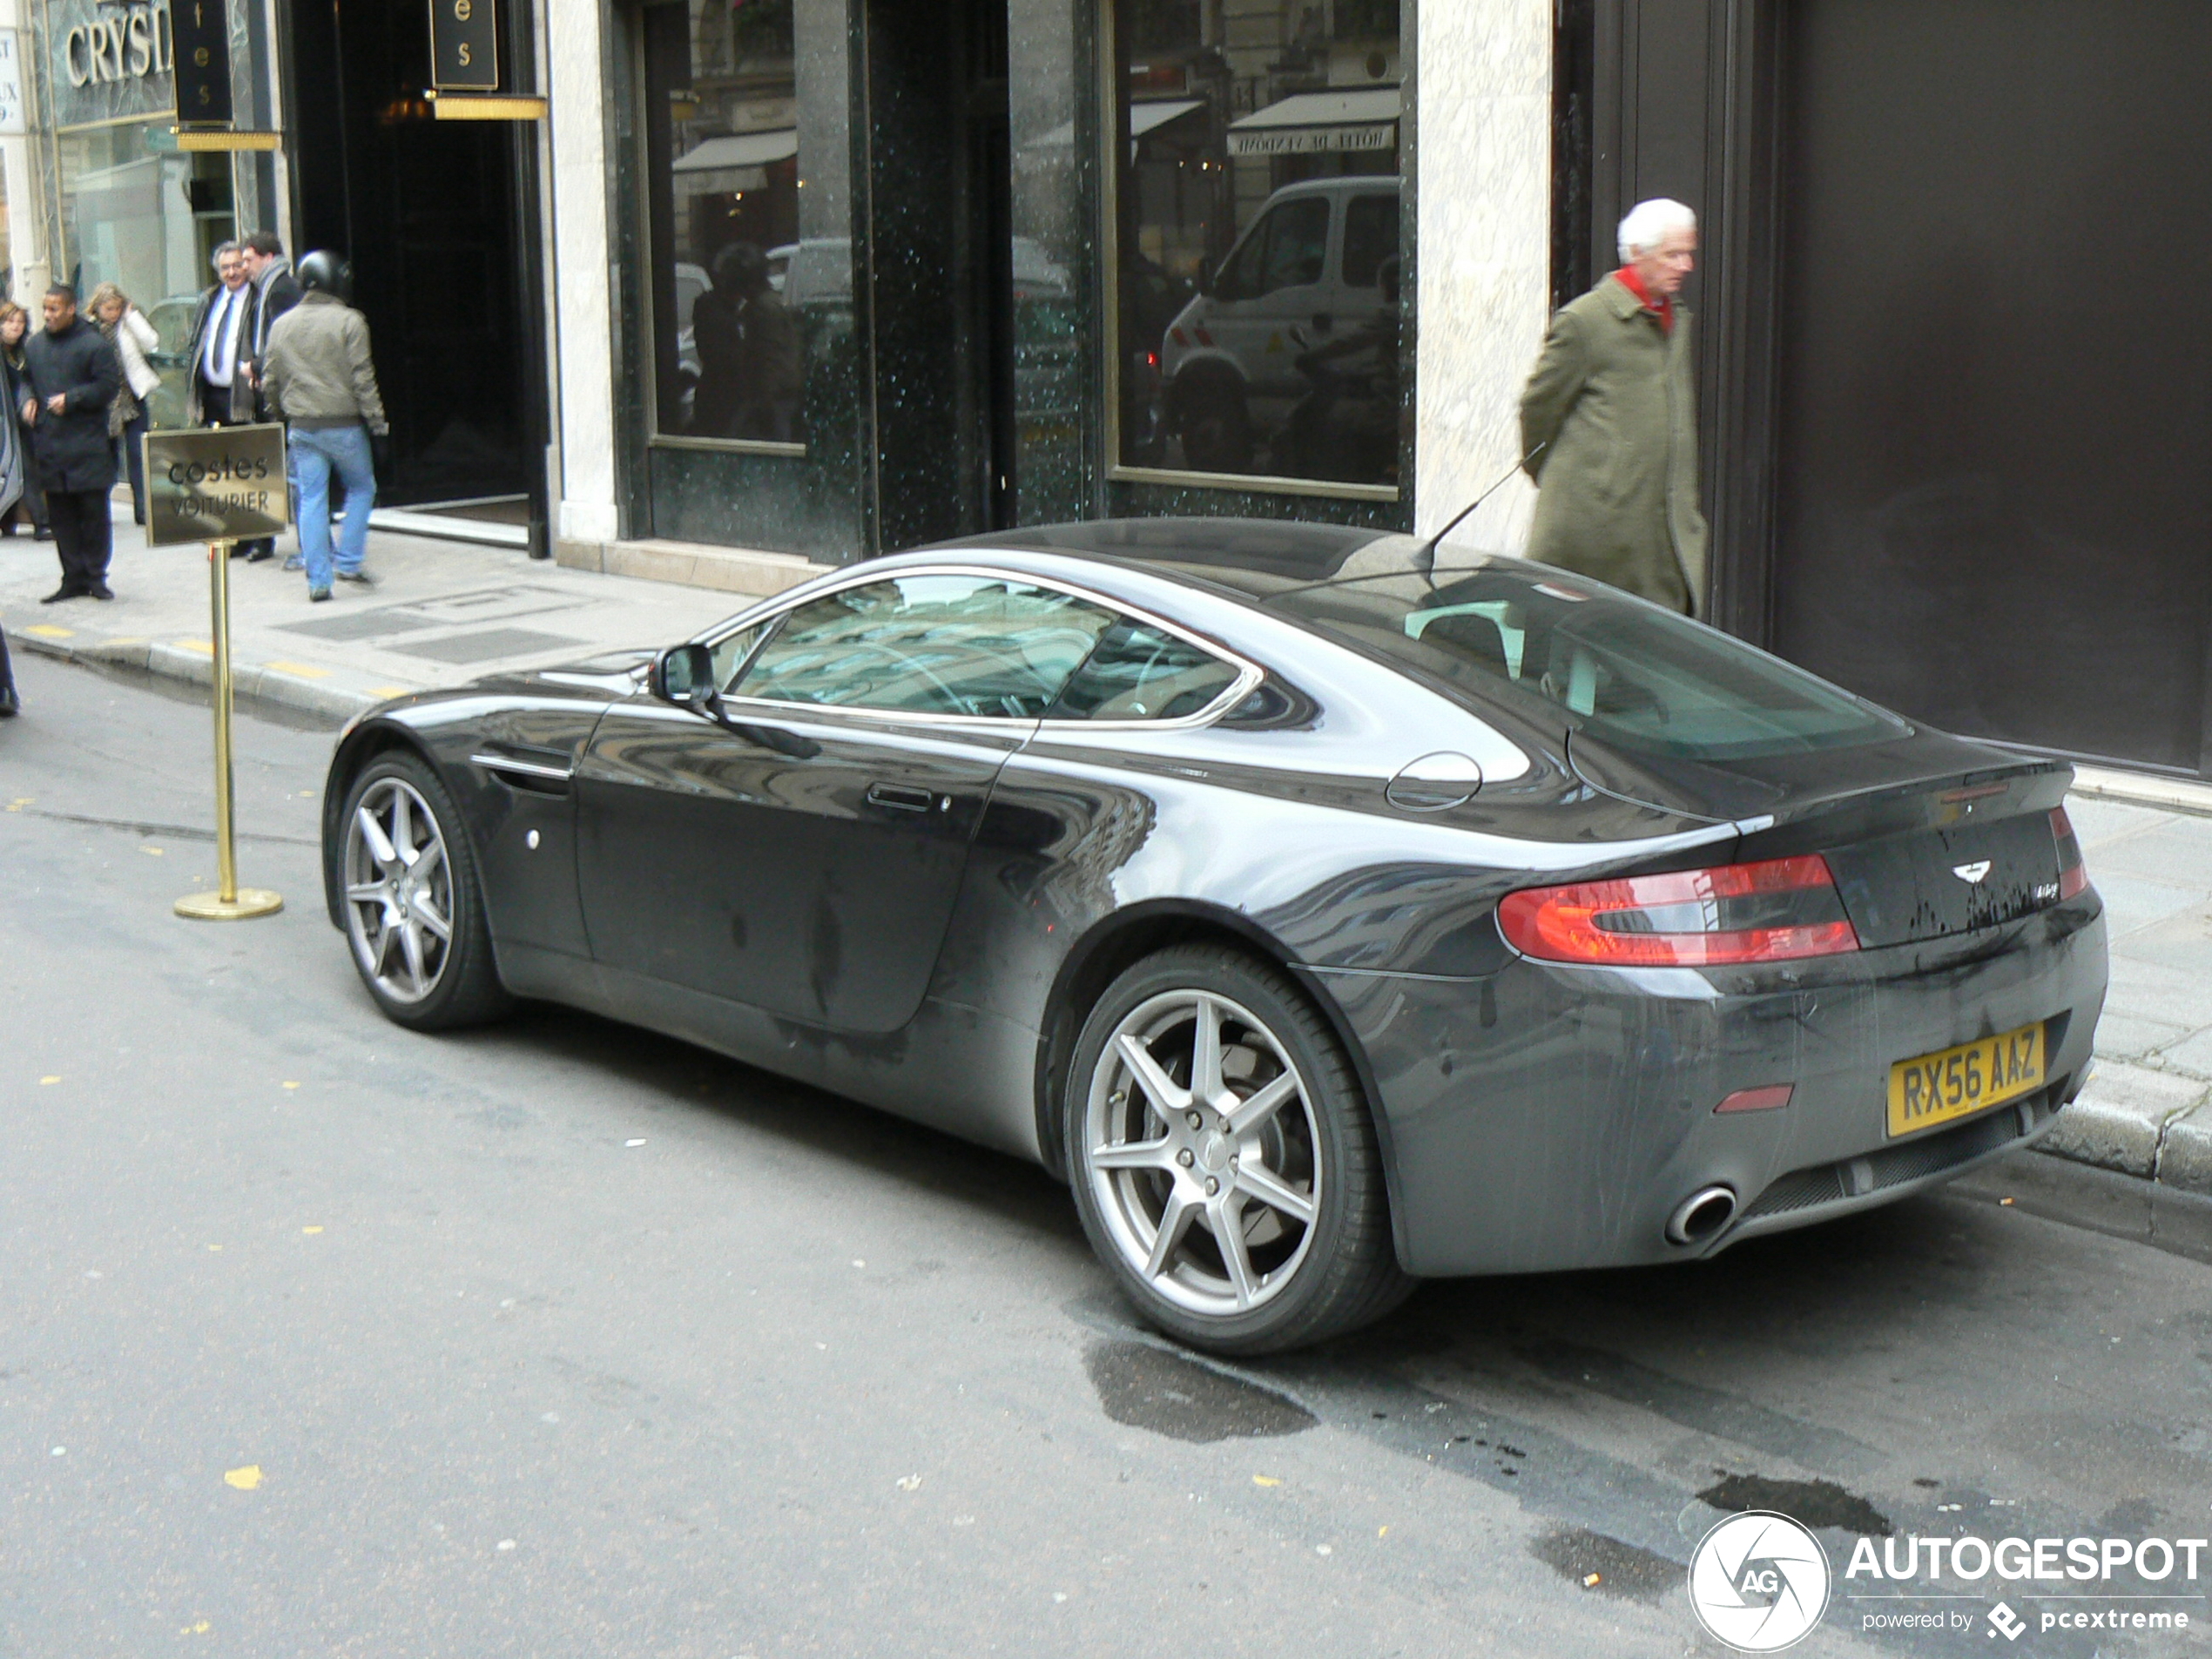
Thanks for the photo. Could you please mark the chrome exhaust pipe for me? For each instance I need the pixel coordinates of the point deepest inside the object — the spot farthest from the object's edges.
(1700, 1216)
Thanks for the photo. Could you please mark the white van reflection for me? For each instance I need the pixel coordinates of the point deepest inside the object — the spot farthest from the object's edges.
(1302, 308)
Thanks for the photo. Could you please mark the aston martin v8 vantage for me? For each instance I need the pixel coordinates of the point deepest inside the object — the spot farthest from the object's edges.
(1329, 911)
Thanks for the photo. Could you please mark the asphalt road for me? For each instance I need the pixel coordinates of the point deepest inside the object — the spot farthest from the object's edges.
(320, 1338)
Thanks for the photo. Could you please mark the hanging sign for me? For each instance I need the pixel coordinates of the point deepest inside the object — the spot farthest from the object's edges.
(200, 29)
(464, 45)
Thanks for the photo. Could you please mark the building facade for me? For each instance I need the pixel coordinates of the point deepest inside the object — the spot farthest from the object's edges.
(99, 189)
(782, 282)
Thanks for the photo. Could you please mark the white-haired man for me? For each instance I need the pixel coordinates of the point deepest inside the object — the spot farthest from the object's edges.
(1608, 422)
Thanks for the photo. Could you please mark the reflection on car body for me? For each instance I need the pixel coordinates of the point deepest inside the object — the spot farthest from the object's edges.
(1326, 917)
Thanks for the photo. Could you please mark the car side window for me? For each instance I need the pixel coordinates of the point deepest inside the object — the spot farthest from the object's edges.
(1298, 244)
(1370, 237)
(974, 645)
(1139, 672)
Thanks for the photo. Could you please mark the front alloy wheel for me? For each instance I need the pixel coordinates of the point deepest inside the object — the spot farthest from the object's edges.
(1224, 1164)
(412, 900)
(399, 892)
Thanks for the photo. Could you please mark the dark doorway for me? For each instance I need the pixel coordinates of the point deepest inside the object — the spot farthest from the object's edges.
(439, 219)
(1994, 472)
(941, 248)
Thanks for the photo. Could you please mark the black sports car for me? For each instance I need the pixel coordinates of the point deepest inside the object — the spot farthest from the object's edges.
(1329, 915)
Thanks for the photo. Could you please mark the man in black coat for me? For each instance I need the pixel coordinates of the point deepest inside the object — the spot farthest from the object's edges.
(272, 290)
(74, 374)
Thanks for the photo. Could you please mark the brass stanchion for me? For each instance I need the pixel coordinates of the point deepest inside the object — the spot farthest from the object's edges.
(229, 902)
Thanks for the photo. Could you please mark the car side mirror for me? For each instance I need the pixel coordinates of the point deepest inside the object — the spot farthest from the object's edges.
(683, 675)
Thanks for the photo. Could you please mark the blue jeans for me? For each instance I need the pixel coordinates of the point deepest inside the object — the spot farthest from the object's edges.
(315, 453)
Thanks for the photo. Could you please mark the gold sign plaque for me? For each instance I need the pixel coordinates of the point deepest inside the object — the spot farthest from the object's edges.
(218, 484)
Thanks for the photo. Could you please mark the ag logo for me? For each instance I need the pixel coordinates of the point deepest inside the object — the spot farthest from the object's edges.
(1758, 1582)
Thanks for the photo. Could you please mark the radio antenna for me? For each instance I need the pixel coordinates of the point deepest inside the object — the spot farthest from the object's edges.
(1424, 555)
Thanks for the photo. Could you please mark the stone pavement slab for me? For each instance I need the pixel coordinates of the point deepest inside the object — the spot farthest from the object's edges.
(441, 613)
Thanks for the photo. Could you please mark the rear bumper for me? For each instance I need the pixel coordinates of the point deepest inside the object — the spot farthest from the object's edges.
(1549, 1118)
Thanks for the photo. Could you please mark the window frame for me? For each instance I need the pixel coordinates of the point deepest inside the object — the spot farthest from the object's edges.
(1108, 154)
(769, 616)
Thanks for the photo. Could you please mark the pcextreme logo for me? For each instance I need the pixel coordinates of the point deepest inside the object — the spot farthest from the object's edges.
(1759, 1581)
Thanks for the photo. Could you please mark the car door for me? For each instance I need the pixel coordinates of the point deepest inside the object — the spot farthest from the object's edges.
(801, 850)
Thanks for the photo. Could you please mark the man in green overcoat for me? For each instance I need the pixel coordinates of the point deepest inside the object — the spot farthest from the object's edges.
(1609, 423)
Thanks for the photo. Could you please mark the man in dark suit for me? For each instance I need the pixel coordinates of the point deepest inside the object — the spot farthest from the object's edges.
(272, 290)
(212, 396)
(74, 373)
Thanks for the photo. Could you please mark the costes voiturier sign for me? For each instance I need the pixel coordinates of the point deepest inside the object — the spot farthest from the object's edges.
(225, 484)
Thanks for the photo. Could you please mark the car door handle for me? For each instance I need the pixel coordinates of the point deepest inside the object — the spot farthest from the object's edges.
(1324, 320)
(903, 798)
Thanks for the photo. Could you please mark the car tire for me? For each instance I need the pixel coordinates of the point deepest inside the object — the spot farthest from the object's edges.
(405, 870)
(1263, 1224)
(1217, 430)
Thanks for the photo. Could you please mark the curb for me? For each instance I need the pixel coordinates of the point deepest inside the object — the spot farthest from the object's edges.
(248, 684)
(2154, 1127)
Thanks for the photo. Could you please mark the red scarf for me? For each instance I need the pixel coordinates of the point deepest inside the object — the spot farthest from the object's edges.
(1664, 309)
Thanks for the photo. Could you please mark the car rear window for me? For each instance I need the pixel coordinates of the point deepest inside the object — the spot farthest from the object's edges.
(1628, 673)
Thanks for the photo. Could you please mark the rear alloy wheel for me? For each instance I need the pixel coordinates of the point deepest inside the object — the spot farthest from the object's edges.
(1223, 1161)
(413, 909)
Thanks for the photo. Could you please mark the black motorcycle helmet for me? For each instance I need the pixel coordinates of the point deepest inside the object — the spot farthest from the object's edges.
(324, 271)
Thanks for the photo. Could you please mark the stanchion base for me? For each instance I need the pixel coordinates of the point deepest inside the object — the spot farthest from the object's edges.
(209, 906)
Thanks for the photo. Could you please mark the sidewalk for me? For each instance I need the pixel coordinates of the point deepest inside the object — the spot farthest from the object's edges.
(441, 614)
(445, 612)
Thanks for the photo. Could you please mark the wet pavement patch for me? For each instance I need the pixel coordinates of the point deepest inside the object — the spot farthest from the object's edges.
(1149, 1388)
(1809, 1503)
(1606, 1566)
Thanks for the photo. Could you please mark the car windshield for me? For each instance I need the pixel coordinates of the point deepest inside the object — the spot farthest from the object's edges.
(1627, 673)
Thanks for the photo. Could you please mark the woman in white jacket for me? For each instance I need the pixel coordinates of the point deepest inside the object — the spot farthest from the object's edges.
(125, 325)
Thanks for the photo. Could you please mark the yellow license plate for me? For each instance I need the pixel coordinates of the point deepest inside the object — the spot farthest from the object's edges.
(1937, 1088)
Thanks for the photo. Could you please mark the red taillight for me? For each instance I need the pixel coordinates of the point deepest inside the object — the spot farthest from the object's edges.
(2073, 877)
(1151, 360)
(1773, 911)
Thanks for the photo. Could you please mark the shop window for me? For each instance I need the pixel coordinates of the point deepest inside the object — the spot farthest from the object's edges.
(137, 213)
(1255, 219)
(729, 262)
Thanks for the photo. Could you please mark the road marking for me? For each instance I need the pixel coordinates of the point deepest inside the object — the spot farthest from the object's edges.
(47, 631)
(305, 670)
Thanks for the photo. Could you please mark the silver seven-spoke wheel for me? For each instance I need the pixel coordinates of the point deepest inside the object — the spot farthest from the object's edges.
(399, 891)
(406, 885)
(1202, 1152)
(1223, 1161)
